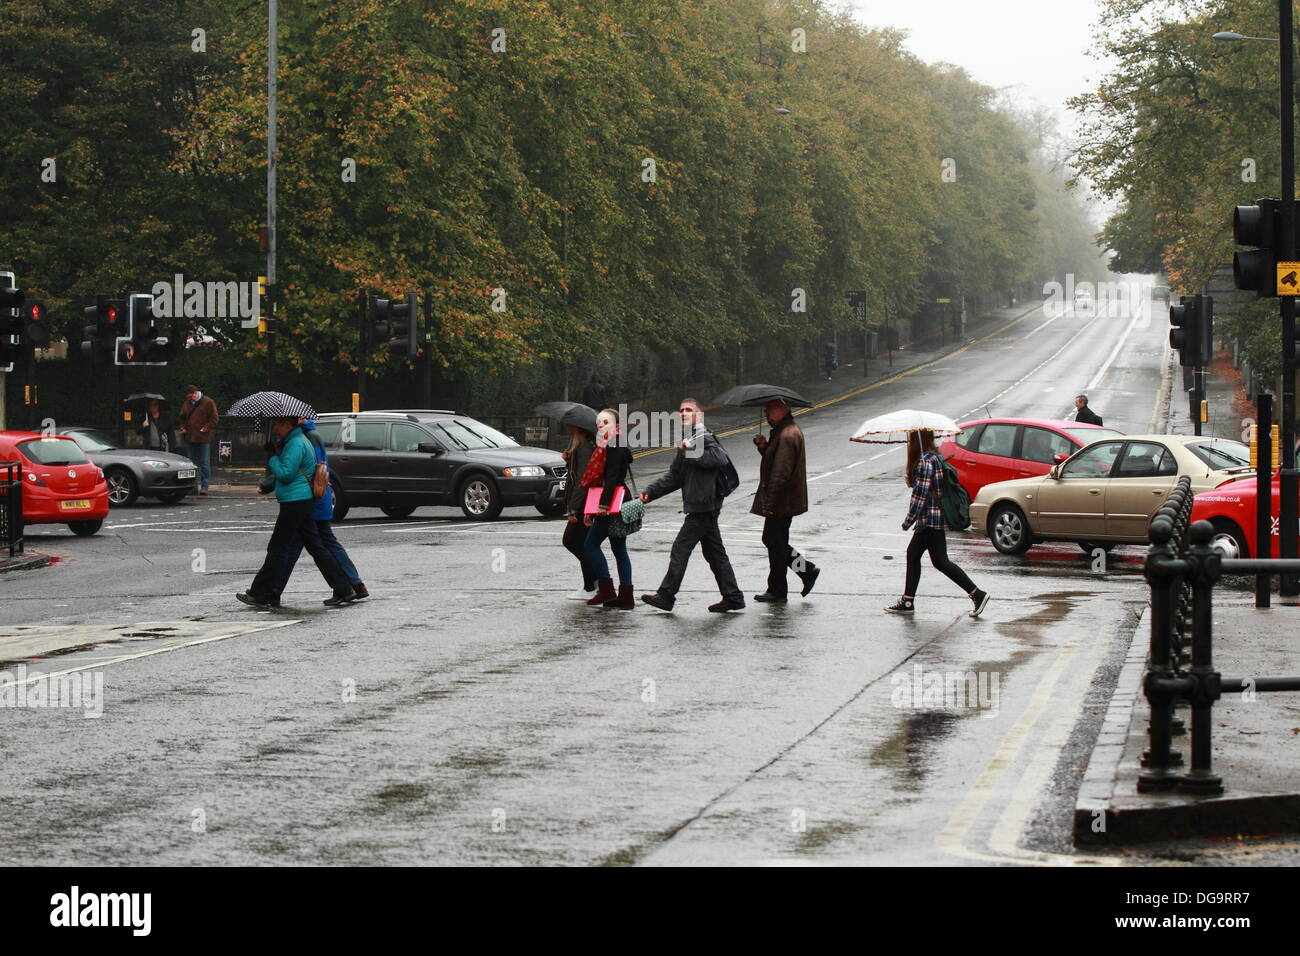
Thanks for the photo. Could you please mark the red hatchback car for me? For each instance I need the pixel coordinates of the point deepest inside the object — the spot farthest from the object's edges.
(1002, 449)
(60, 485)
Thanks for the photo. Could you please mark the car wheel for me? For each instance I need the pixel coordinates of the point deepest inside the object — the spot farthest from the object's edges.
(1009, 530)
(1090, 546)
(86, 528)
(172, 498)
(398, 511)
(479, 498)
(551, 509)
(123, 489)
(1229, 539)
(341, 505)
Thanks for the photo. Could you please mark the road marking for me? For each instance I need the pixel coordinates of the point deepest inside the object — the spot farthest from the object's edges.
(826, 474)
(1096, 379)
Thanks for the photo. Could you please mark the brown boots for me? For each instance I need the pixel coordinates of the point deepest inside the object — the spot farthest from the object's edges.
(604, 592)
(625, 600)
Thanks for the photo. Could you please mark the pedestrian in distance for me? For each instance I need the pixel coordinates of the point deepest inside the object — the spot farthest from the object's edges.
(781, 496)
(695, 470)
(577, 456)
(924, 472)
(293, 468)
(607, 471)
(323, 515)
(198, 418)
(1084, 413)
(830, 361)
(156, 428)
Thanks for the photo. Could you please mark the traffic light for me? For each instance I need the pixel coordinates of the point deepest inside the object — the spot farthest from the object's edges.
(264, 305)
(403, 327)
(1258, 225)
(11, 300)
(106, 320)
(1183, 335)
(144, 342)
(1205, 330)
(380, 312)
(35, 326)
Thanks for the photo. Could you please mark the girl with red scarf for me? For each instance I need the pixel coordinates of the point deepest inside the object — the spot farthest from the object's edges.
(607, 469)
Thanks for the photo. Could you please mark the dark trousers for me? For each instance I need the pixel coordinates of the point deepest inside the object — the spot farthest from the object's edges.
(293, 523)
(935, 541)
(332, 544)
(780, 556)
(701, 529)
(575, 538)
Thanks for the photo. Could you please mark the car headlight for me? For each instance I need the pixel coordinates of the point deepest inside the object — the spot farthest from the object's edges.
(150, 463)
(524, 471)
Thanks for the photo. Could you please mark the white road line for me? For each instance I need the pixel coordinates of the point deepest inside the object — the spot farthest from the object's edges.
(1096, 379)
(1031, 372)
(826, 474)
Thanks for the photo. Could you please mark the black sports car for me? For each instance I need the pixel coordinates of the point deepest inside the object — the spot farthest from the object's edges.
(135, 472)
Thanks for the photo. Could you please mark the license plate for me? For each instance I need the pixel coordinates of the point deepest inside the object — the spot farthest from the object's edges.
(562, 483)
(188, 473)
(79, 504)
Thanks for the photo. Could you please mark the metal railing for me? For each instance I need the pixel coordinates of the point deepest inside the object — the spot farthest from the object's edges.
(11, 507)
(1182, 569)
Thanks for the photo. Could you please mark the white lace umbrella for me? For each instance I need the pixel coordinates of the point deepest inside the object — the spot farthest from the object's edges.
(894, 427)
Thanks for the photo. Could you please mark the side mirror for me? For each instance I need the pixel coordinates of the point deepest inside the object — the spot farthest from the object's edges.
(1055, 471)
(1060, 458)
(429, 448)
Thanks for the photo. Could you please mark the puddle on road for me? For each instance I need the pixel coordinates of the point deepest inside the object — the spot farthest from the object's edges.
(908, 750)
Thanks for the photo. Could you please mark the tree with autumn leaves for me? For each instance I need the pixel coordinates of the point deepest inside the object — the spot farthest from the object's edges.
(624, 172)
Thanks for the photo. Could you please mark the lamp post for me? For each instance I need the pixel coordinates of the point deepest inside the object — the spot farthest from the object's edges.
(1288, 479)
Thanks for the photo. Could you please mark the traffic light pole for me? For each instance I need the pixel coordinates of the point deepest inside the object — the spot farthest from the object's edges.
(362, 319)
(1289, 480)
(426, 347)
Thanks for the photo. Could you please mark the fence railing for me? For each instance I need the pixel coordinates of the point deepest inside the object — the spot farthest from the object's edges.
(11, 507)
(1182, 569)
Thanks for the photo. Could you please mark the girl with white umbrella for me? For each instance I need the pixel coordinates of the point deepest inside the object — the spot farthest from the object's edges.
(924, 474)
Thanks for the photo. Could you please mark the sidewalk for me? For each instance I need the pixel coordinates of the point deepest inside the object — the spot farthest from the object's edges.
(22, 562)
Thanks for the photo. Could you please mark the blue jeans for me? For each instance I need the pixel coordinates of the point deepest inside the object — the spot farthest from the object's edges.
(293, 551)
(597, 533)
(199, 453)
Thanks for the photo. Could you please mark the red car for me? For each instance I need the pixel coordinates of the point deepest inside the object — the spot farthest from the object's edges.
(1002, 449)
(60, 485)
(1231, 509)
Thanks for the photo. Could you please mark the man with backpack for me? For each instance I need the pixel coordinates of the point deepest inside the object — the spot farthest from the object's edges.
(705, 475)
(782, 494)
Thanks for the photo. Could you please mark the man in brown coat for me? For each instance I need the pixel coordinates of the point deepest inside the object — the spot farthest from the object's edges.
(782, 494)
(198, 420)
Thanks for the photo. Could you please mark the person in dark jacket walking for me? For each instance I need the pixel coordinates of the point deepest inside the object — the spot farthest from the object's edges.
(323, 515)
(695, 471)
(607, 470)
(1084, 413)
(577, 456)
(782, 494)
(292, 469)
(924, 471)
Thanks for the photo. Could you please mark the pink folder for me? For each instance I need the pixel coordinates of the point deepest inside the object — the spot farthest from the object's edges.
(593, 500)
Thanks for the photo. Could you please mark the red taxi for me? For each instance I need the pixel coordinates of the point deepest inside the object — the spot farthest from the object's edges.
(1003, 449)
(60, 485)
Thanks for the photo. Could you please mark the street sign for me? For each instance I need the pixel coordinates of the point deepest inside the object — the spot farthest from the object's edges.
(1288, 278)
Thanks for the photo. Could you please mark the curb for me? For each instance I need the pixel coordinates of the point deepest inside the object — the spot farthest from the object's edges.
(30, 559)
(1109, 811)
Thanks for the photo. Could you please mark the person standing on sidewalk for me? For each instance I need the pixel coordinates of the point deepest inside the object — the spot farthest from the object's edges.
(924, 471)
(323, 515)
(782, 494)
(577, 456)
(607, 470)
(695, 470)
(1084, 413)
(293, 468)
(156, 428)
(199, 419)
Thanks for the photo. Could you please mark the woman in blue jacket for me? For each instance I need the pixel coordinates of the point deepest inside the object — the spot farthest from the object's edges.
(293, 468)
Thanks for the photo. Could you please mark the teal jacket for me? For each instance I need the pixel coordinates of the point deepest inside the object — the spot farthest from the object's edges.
(293, 468)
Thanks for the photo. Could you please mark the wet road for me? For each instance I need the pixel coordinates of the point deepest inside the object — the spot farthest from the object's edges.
(469, 714)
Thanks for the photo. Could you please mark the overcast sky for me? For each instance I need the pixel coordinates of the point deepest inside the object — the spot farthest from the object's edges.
(1039, 48)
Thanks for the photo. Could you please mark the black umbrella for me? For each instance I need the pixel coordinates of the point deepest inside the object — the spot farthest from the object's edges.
(144, 397)
(569, 413)
(761, 395)
(271, 405)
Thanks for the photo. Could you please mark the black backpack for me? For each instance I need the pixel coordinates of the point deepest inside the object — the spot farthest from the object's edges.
(727, 480)
(954, 502)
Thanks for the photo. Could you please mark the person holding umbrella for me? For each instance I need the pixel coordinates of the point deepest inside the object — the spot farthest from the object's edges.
(782, 494)
(924, 472)
(607, 470)
(156, 428)
(580, 420)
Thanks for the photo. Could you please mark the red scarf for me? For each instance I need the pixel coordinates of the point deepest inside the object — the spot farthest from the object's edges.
(595, 473)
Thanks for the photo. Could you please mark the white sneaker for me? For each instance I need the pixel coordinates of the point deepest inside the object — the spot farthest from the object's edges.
(581, 595)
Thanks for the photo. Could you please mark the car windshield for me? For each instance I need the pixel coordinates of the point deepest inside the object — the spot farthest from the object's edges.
(1089, 435)
(465, 433)
(1222, 453)
(53, 451)
(93, 441)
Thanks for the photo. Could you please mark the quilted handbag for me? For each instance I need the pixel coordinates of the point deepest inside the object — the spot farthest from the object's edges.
(629, 517)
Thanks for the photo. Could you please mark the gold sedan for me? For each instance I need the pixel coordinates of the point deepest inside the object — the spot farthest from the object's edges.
(1103, 494)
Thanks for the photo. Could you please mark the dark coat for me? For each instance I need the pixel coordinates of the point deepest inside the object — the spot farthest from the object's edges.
(1088, 416)
(783, 475)
(695, 475)
(165, 431)
(199, 422)
(574, 494)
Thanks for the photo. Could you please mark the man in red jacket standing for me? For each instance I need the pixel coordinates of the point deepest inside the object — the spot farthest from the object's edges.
(198, 420)
(782, 494)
